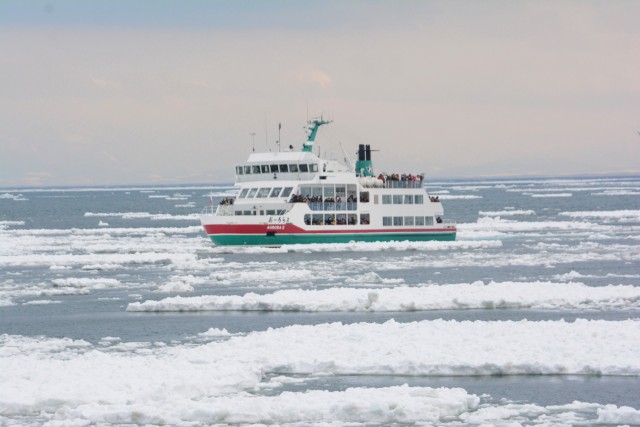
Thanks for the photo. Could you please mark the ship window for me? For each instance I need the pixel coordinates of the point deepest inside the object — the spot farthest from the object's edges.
(419, 220)
(386, 221)
(317, 219)
(307, 219)
(252, 193)
(265, 168)
(364, 196)
(353, 219)
(271, 212)
(304, 168)
(276, 192)
(286, 192)
(284, 168)
(247, 170)
(255, 169)
(274, 168)
(238, 212)
(397, 220)
(281, 212)
(408, 199)
(364, 219)
(293, 167)
(246, 212)
(239, 170)
(418, 199)
(316, 192)
(328, 191)
(329, 219)
(408, 220)
(428, 220)
(313, 167)
(263, 192)
(243, 193)
(386, 199)
(397, 199)
(341, 219)
(341, 191)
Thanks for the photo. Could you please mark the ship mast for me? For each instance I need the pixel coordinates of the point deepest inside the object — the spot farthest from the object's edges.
(312, 130)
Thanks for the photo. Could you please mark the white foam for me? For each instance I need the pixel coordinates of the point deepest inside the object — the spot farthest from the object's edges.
(364, 247)
(477, 295)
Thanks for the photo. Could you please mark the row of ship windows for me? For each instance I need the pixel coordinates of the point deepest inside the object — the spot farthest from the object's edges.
(400, 199)
(336, 219)
(395, 221)
(250, 193)
(329, 191)
(280, 168)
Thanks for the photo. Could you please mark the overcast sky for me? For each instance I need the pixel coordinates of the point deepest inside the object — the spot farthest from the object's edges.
(146, 92)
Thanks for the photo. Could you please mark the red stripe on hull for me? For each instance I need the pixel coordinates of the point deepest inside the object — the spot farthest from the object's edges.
(293, 229)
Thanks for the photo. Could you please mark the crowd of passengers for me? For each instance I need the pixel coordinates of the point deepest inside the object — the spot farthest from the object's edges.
(434, 198)
(333, 221)
(227, 201)
(297, 198)
(401, 177)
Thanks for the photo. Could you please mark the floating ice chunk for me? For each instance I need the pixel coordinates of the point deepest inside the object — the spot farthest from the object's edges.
(103, 224)
(477, 295)
(14, 197)
(372, 278)
(611, 414)
(215, 332)
(72, 382)
(458, 196)
(627, 215)
(41, 302)
(175, 286)
(87, 282)
(142, 215)
(509, 212)
(550, 195)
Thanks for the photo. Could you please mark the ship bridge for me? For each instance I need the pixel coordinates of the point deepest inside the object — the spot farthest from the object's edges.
(287, 165)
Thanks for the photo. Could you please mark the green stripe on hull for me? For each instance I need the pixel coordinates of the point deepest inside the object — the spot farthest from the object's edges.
(293, 239)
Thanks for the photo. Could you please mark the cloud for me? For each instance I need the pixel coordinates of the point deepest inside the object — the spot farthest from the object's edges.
(311, 75)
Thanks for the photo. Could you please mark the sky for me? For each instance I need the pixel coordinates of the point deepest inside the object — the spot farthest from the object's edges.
(167, 92)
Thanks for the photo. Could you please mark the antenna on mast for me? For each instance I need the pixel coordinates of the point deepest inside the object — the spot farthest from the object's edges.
(253, 140)
(266, 133)
(279, 127)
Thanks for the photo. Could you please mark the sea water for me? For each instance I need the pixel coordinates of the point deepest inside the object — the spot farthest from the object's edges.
(115, 309)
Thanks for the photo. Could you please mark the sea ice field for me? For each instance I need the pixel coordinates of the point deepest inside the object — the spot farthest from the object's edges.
(115, 309)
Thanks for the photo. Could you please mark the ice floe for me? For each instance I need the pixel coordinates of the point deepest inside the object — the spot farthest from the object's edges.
(70, 382)
(540, 295)
(144, 215)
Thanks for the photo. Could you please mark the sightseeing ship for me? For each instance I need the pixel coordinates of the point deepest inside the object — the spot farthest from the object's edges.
(294, 197)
